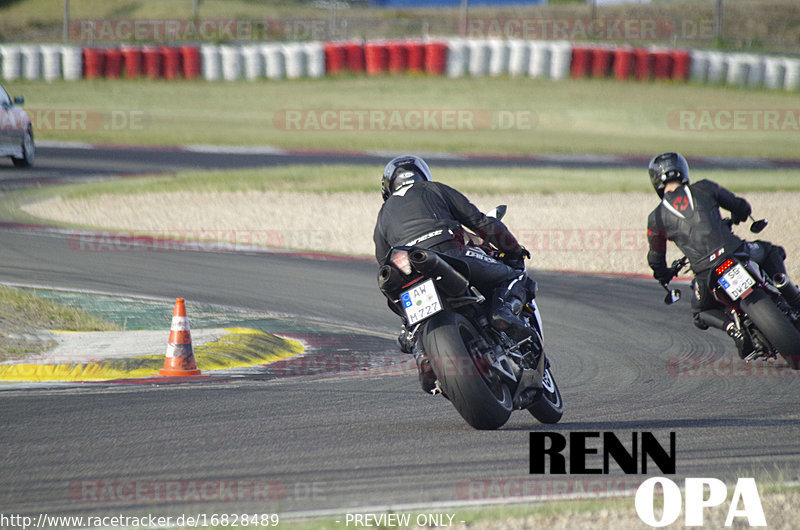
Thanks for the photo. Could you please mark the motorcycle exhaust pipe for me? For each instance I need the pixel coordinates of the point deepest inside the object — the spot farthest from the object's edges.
(713, 318)
(430, 264)
(389, 279)
(788, 289)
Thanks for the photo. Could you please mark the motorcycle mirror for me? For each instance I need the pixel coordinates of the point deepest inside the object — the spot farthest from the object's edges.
(758, 226)
(672, 296)
(498, 212)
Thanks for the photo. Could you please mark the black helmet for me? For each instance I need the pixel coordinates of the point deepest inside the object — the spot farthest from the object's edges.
(666, 167)
(403, 171)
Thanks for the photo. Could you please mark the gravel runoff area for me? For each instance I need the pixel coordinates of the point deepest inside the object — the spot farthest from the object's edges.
(564, 231)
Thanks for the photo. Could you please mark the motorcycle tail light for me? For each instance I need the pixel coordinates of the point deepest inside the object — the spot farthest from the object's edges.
(725, 266)
(400, 260)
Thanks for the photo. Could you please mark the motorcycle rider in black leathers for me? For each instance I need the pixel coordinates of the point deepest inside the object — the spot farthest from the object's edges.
(420, 212)
(689, 216)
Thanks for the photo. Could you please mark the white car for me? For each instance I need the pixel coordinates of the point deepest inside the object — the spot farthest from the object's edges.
(16, 131)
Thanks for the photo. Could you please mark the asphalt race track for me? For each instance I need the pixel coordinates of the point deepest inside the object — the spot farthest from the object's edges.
(625, 362)
(62, 163)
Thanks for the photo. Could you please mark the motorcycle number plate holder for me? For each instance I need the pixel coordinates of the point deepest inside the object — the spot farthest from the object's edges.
(736, 281)
(420, 302)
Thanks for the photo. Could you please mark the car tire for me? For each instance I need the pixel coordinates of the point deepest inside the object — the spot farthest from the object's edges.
(28, 151)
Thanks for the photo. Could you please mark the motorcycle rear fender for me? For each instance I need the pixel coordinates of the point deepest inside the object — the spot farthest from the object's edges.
(752, 268)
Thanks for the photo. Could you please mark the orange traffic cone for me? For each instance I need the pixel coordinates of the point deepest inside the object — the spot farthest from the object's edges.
(180, 354)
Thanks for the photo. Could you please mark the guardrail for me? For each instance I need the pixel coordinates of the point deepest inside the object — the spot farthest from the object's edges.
(449, 57)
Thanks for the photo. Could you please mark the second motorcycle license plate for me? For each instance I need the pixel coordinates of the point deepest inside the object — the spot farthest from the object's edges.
(420, 302)
(736, 281)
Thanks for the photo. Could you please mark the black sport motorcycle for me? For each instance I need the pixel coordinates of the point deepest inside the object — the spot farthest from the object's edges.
(757, 304)
(485, 373)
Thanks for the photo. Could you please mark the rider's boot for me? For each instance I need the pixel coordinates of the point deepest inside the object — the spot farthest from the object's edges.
(427, 379)
(716, 318)
(699, 322)
(406, 340)
(507, 303)
(744, 345)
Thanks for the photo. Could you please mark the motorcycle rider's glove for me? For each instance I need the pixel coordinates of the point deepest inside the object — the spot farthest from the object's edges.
(664, 275)
(742, 213)
(516, 261)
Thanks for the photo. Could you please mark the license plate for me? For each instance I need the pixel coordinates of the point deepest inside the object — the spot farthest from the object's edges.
(420, 302)
(736, 281)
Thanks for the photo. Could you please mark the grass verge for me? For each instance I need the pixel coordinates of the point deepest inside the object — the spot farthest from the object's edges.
(480, 517)
(612, 512)
(466, 115)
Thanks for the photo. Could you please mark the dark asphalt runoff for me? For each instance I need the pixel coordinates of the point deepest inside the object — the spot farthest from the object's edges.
(625, 362)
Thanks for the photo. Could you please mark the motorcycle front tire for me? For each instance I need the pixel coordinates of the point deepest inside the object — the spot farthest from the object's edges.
(548, 407)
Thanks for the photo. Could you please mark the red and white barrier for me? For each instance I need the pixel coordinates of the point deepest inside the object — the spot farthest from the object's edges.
(71, 63)
(274, 62)
(540, 59)
(315, 59)
(717, 68)
(211, 62)
(295, 60)
(31, 65)
(51, 62)
(231, 60)
(478, 58)
(792, 74)
(380, 57)
(641, 64)
(252, 62)
(560, 56)
(519, 55)
(451, 57)
(774, 72)
(457, 58)
(499, 57)
(10, 62)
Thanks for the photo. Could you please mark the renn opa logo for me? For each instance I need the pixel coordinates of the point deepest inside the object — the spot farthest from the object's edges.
(699, 493)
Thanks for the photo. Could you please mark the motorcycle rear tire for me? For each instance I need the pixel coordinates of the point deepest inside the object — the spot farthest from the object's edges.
(774, 325)
(484, 404)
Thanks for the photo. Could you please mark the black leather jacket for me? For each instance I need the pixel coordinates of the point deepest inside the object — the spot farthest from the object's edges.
(431, 214)
(689, 216)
